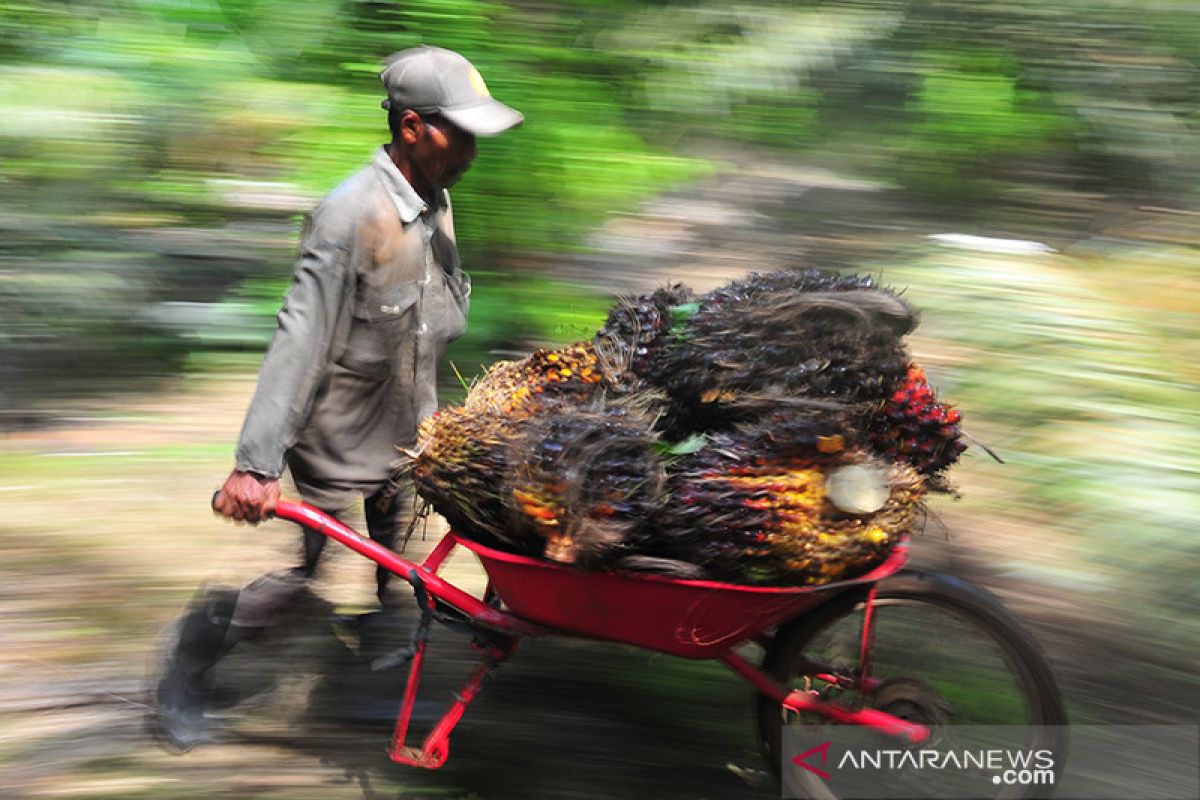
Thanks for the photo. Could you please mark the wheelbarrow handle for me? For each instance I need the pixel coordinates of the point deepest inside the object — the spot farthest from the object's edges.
(318, 521)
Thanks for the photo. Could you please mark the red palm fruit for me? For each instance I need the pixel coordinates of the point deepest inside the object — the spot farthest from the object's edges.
(915, 428)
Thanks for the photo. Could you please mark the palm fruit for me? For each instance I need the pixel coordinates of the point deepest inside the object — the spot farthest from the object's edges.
(458, 465)
(500, 390)
(461, 459)
(778, 339)
(913, 427)
(568, 371)
(583, 480)
(515, 387)
(804, 438)
(634, 332)
(839, 546)
(711, 516)
(754, 505)
(793, 432)
(771, 523)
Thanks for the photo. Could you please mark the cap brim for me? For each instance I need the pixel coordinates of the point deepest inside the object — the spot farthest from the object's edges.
(486, 119)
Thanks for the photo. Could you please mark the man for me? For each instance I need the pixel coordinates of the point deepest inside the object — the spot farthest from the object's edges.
(377, 294)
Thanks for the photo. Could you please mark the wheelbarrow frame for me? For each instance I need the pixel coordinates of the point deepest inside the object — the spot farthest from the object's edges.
(521, 583)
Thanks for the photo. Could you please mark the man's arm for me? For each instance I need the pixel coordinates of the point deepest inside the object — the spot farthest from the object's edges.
(290, 376)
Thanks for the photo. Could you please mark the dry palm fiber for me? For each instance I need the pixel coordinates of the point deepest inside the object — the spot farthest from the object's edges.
(633, 334)
(913, 427)
(785, 337)
(584, 480)
(753, 506)
(517, 387)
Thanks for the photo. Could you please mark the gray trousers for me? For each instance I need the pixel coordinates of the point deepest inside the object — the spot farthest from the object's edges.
(260, 600)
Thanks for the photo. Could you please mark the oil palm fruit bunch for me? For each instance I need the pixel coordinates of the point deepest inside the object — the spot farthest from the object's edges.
(571, 370)
(787, 514)
(914, 428)
(516, 387)
(500, 390)
(457, 467)
(635, 331)
(583, 480)
(794, 432)
(778, 339)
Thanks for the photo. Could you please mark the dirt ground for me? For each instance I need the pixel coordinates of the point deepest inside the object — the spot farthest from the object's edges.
(108, 535)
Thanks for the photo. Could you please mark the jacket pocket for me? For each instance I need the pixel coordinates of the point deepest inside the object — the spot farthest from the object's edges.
(381, 321)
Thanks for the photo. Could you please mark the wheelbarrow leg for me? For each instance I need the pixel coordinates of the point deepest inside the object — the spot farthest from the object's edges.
(436, 748)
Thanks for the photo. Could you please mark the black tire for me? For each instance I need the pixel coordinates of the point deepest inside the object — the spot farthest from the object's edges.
(908, 592)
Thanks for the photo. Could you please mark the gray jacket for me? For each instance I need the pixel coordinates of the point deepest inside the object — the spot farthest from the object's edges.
(377, 294)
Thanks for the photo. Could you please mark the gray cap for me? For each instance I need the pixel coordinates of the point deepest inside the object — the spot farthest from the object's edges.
(431, 80)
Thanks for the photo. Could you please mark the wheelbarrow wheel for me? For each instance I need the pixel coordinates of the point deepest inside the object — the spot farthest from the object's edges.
(943, 652)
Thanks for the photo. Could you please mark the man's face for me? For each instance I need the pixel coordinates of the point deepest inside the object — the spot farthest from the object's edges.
(443, 151)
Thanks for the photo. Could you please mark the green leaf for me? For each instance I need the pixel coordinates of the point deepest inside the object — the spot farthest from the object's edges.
(682, 313)
(692, 444)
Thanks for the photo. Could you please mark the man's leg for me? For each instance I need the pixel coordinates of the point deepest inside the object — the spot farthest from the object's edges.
(208, 633)
(388, 515)
(182, 693)
(314, 545)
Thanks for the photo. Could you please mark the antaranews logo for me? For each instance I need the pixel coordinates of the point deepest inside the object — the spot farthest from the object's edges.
(1079, 762)
(802, 759)
(1000, 766)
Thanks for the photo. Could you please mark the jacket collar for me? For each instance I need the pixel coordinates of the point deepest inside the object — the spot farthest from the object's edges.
(408, 203)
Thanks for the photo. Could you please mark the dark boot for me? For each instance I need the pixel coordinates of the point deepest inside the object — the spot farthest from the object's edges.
(183, 695)
(217, 621)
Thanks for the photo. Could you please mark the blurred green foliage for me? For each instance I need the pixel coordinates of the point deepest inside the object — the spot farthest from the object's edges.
(167, 133)
(1079, 370)
(159, 151)
(519, 312)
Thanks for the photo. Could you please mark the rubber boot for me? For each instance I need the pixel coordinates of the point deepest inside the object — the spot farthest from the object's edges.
(184, 692)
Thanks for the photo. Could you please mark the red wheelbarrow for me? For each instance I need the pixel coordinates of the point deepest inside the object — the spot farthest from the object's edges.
(826, 649)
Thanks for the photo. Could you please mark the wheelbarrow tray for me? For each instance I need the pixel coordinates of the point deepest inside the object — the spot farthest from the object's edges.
(688, 618)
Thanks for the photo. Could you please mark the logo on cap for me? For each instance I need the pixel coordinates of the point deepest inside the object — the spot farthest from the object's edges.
(477, 83)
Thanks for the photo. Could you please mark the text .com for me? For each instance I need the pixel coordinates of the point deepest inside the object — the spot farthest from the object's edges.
(1024, 777)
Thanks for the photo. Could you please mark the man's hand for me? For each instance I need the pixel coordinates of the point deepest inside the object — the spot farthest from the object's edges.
(247, 497)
